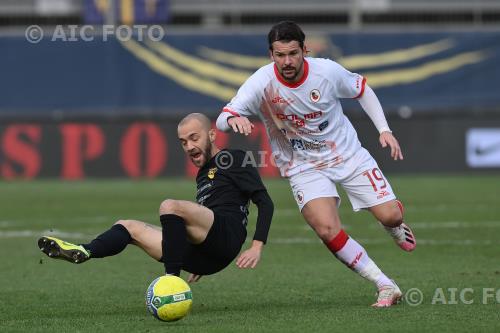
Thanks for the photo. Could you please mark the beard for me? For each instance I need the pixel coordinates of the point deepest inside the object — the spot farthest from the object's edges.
(295, 74)
(205, 153)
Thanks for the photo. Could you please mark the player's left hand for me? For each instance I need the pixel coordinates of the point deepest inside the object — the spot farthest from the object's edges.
(194, 278)
(387, 139)
(249, 258)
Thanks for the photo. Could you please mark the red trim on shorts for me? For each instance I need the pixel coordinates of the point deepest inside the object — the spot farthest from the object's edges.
(363, 83)
(338, 242)
(236, 114)
(296, 84)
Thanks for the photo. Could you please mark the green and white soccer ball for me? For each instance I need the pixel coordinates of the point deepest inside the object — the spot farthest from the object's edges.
(169, 298)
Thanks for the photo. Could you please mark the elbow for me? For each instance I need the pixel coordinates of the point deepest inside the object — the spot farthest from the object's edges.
(264, 202)
(269, 204)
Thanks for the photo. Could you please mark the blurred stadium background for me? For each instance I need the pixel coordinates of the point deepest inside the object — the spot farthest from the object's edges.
(74, 107)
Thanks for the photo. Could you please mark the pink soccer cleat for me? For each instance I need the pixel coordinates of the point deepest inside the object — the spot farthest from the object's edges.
(402, 234)
(388, 296)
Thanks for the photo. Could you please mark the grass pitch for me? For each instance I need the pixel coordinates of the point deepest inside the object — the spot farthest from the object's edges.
(298, 285)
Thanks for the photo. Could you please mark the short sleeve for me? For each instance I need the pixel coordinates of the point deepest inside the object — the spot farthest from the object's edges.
(346, 84)
(248, 98)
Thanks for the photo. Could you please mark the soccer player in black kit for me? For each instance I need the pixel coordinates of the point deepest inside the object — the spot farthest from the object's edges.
(201, 238)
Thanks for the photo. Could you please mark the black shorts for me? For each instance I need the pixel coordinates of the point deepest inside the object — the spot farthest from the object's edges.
(218, 250)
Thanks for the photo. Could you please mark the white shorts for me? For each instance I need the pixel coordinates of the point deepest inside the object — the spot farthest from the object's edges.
(360, 177)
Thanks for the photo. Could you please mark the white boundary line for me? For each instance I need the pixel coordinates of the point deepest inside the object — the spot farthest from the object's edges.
(277, 241)
(35, 234)
(375, 241)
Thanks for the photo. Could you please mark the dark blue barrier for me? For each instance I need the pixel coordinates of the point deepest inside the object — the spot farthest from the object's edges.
(136, 11)
(428, 72)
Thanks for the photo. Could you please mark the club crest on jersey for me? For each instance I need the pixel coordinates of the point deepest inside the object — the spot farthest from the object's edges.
(300, 197)
(314, 95)
(211, 173)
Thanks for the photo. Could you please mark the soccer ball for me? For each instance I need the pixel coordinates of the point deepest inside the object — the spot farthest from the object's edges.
(169, 298)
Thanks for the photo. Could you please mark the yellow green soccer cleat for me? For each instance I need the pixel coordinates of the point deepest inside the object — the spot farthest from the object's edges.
(59, 249)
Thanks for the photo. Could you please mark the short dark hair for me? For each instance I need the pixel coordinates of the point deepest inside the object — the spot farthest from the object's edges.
(286, 31)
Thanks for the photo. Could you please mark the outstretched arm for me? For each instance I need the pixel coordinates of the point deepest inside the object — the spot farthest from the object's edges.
(372, 107)
(228, 120)
(246, 102)
(251, 257)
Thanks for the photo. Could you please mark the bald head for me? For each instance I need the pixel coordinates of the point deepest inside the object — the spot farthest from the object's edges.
(197, 138)
(199, 117)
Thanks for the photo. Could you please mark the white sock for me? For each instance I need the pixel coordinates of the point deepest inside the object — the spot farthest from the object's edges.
(354, 256)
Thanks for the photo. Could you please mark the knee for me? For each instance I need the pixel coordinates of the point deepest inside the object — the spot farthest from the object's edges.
(326, 233)
(326, 230)
(170, 206)
(132, 226)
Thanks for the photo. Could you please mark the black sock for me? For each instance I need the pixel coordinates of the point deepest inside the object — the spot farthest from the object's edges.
(110, 242)
(173, 243)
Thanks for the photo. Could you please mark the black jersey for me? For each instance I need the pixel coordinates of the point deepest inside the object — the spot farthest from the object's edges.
(225, 184)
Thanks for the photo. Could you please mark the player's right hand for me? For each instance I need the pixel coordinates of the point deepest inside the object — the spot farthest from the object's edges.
(240, 125)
